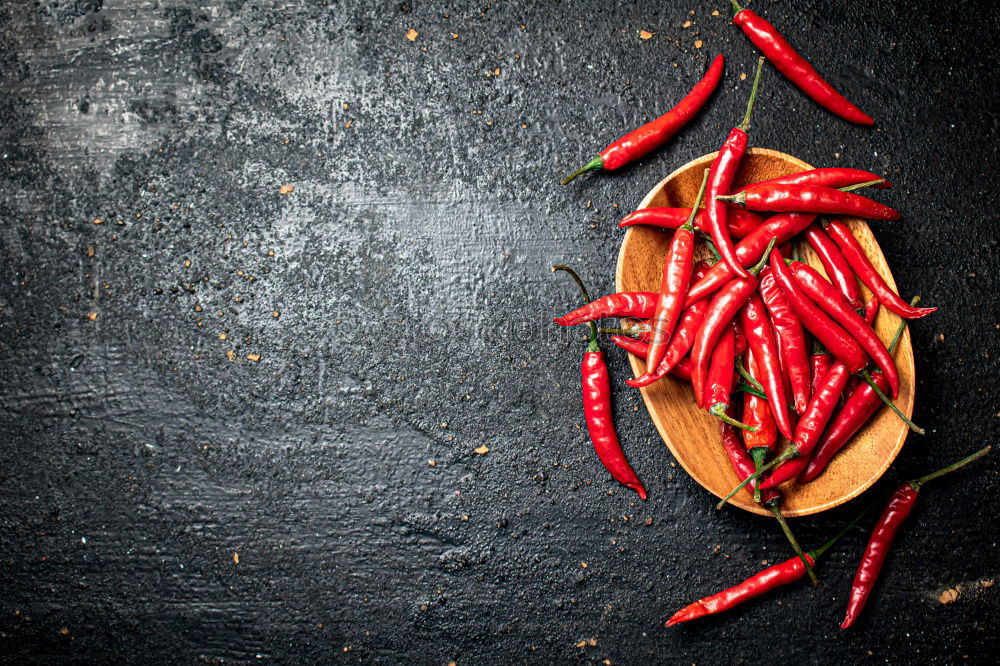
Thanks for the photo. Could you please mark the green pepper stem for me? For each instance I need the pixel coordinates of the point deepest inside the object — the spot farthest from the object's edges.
(740, 198)
(736, 6)
(773, 506)
(858, 186)
(593, 345)
(791, 451)
(916, 483)
(689, 224)
(758, 454)
(902, 327)
(719, 410)
(746, 388)
(865, 375)
(596, 163)
(836, 537)
(747, 376)
(759, 266)
(745, 124)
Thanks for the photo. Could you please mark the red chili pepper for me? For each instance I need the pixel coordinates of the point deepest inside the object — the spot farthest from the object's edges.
(796, 68)
(830, 334)
(719, 380)
(740, 344)
(779, 228)
(682, 340)
(757, 415)
(720, 178)
(791, 340)
(896, 511)
(637, 304)
(836, 267)
(855, 256)
(677, 267)
(827, 177)
(741, 222)
(833, 303)
(819, 365)
(654, 134)
(682, 370)
(773, 577)
(871, 310)
(724, 306)
(764, 347)
(597, 406)
(809, 199)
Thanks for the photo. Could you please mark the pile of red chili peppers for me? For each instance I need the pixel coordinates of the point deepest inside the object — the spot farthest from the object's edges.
(784, 355)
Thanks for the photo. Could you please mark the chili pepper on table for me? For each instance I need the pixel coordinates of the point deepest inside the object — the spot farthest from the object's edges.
(896, 511)
(760, 337)
(677, 266)
(809, 199)
(771, 578)
(720, 178)
(833, 303)
(654, 134)
(836, 267)
(796, 68)
(637, 304)
(791, 340)
(597, 407)
(741, 222)
(861, 403)
(863, 268)
(826, 176)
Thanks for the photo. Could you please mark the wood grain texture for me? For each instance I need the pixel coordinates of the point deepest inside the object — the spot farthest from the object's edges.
(691, 434)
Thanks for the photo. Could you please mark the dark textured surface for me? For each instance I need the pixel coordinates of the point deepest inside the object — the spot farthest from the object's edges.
(399, 300)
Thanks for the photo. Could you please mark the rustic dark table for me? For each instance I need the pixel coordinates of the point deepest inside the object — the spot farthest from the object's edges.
(271, 276)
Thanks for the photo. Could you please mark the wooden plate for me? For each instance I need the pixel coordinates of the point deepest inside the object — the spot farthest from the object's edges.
(691, 434)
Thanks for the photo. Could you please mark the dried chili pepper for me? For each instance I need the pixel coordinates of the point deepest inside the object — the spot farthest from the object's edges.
(720, 178)
(773, 577)
(836, 267)
(827, 177)
(791, 340)
(677, 266)
(764, 347)
(795, 68)
(833, 303)
(597, 407)
(863, 268)
(809, 199)
(637, 304)
(654, 134)
(896, 511)
(741, 222)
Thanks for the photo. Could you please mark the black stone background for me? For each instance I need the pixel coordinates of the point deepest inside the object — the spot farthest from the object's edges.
(410, 270)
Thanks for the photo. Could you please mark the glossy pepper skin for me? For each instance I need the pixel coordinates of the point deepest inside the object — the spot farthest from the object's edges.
(810, 199)
(741, 222)
(833, 303)
(757, 414)
(791, 340)
(652, 135)
(681, 370)
(796, 68)
(863, 268)
(819, 364)
(741, 461)
(764, 347)
(723, 308)
(835, 177)
(637, 304)
(829, 334)
(835, 265)
(719, 381)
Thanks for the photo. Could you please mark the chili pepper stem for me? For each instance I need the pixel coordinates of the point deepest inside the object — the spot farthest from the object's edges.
(763, 260)
(916, 483)
(593, 345)
(773, 506)
(758, 453)
(747, 376)
(791, 451)
(864, 374)
(746, 388)
(695, 207)
(902, 327)
(719, 410)
(592, 165)
(858, 186)
(736, 6)
(836, 537)
(740, 198)
(745, 123)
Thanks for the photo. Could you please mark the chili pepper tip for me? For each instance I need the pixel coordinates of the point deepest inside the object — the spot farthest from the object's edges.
(596, 163)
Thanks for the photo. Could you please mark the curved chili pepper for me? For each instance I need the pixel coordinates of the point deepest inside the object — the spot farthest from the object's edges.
(809, 199)
(791, 340)
(773, 577)
(654, 134)
(780, 228)
(637, 304)
(741, 222)
(682, 370)
(597, 406)
(827, 177)
(833, 303)
(836, 267)
(682, 340)
(720, 178)
(896, 511)
(764, 347)
(830, 334)
(721, 311)
(796, 68)
(871, 310)
(677, 267)
(855, 256)
(810, 427)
